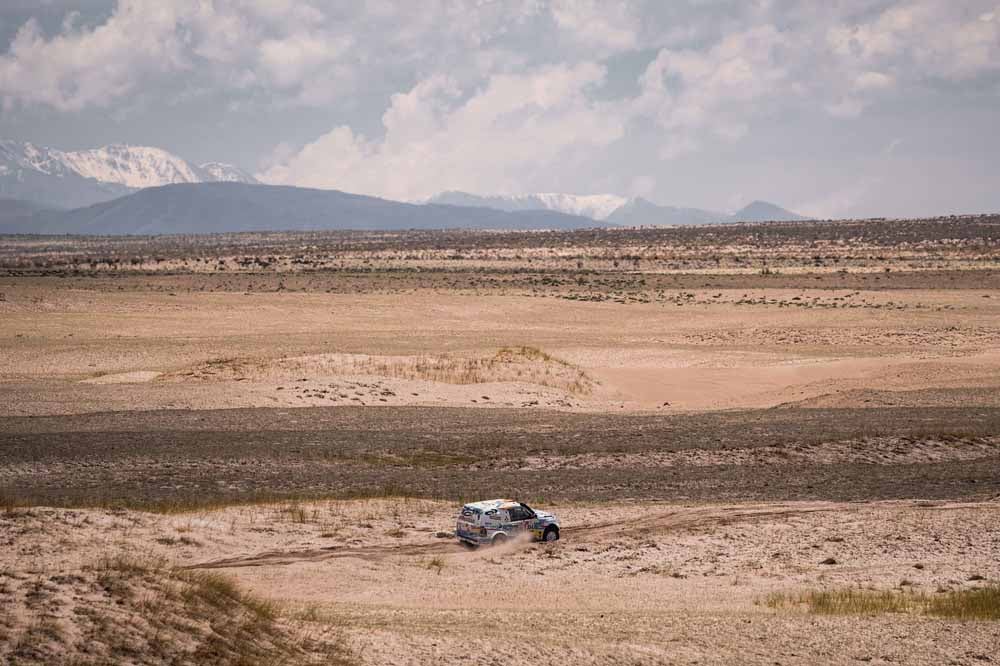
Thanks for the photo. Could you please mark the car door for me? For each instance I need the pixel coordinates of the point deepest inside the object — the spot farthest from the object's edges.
(520, 518)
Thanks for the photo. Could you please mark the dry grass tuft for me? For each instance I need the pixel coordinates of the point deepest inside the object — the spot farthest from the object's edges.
(217, 592)
(10, 504)
(126, 609)
(509, 364)
(524, 364)
(982, 603)
(436, 563)
(286, 504)
(296, 513)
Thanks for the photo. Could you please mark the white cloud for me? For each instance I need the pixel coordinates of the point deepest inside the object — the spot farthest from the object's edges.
(922, 39)
(311, 53)
(848, 107)
(80, 68)
(500, 127)
(873, 81)
(503, 96)
(498, 139)
(606, 25)
(280, 46)
(716, 91)
(642, 186)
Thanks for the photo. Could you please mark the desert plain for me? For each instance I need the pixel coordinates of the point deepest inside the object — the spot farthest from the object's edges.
(767, 443)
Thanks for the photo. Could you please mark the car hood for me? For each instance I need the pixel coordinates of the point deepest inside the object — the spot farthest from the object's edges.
(545, 516)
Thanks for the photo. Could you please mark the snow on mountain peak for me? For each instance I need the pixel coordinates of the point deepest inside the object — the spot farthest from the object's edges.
(132, 166)
(611, 208)
(15, 156)
(596, 206)
(227, 173)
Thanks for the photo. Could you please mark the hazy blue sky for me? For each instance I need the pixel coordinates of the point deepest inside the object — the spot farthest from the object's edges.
(854, 107)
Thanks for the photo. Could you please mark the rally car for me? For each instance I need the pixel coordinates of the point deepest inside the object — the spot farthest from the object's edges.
(492, 522)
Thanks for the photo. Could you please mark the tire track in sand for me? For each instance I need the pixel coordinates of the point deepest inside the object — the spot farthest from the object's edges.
(657, 521)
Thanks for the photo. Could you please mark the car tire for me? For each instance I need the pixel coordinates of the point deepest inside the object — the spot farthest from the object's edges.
(551, 534)
(499, 540)
(468, 546)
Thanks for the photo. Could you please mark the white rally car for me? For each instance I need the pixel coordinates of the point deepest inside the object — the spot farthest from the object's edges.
(493, 522)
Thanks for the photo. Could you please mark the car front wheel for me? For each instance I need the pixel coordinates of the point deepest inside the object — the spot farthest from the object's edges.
(551, 534)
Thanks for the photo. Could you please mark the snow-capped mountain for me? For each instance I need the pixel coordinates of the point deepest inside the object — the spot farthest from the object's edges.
(131, 166)
(199, 208)
(220, 172)
(78, 178)
(614, 209)
(594, 206)
(611, 208)
(15, 156)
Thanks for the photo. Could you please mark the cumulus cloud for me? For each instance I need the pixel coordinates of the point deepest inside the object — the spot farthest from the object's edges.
(80, 68)
(873, 81)
(498, 96)
(499, 138)
(281, 46)
(606, 25)
(716, 91)
(924, 39)
(521, 119)
(311, 53)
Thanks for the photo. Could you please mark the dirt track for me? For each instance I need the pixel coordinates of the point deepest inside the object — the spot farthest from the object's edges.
(653, 522)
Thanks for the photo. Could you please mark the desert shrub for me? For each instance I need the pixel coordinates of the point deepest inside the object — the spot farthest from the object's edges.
(981, 603)
(127, 609)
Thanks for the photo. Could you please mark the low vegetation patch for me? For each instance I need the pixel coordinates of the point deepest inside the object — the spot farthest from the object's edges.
(436, 563)
(122, 609)
(418, 458)
(979, 603)
(509, 364)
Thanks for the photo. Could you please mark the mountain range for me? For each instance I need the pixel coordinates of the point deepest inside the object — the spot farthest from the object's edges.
(122, 189)
(71, 179)
(616, 210)
(222, 207)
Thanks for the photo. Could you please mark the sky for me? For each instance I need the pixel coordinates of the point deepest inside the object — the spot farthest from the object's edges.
(847, 108)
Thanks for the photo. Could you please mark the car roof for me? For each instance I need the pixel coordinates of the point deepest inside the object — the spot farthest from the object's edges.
(488, 505)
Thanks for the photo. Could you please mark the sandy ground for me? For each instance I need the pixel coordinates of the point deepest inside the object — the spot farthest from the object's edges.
(649, 583)
(72, 351)
(724, 415)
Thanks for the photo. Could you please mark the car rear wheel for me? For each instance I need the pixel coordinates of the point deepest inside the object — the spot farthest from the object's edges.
(551, 534)
(499, 540)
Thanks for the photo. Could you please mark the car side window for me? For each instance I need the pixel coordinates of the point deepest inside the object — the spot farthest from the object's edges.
(518, 513)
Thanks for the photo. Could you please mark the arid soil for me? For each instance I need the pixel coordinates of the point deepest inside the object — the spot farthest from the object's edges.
(277, 429)
(187, 458)
(382, 581)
